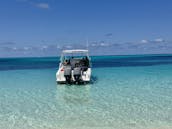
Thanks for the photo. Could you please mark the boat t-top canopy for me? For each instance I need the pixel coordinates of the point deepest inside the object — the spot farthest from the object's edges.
(75, 51)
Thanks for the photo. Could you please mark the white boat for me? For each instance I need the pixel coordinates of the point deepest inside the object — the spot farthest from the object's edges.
(74, 67)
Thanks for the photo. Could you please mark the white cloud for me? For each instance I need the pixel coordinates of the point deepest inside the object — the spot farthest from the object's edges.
(104, 44)
(26, 48)
(58, 47)
(159, 40)
(93, 44)
(144, 41)
(42, 5)
(44, 47)
(14, 48)
(38, 5)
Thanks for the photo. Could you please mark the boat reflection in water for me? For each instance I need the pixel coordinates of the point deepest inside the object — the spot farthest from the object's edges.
(73, 94)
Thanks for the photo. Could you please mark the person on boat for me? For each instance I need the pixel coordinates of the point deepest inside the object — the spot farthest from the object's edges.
(66, 62)
(86, 61)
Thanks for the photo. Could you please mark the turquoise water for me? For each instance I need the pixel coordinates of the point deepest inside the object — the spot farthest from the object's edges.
(126, 92)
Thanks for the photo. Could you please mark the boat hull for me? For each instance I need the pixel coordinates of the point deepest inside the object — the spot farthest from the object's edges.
(84, 78)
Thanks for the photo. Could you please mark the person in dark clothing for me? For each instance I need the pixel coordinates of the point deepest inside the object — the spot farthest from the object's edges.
(66, 62)
(86, 61)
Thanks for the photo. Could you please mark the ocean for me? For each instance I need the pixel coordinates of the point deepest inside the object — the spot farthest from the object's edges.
(126, 92)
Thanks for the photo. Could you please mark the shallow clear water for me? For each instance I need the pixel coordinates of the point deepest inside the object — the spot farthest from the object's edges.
(126, 92)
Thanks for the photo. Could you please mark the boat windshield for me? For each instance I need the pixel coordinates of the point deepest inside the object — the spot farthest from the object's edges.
(75, 58)
(74, 54)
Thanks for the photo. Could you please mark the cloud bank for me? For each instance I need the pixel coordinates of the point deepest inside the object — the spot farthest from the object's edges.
(156, 46)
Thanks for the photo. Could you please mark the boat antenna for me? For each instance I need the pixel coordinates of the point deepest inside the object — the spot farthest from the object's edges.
(87, 44)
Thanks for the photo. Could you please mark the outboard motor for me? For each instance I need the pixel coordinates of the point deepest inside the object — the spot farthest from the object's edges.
(67, 74)
(77, 74)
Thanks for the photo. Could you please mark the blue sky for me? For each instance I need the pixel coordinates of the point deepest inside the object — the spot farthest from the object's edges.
(44, 27)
